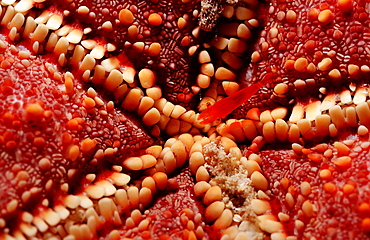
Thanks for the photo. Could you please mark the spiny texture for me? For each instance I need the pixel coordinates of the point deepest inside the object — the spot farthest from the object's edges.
(100, 129)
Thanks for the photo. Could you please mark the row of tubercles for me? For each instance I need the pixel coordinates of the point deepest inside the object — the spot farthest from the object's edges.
(217, 211)
(104, 200)
(102, 189)
(113, 197)
(187, 147)
(323, 118)
(68, 41)
(267, 221)
(174, 119)
(99, 190)
(173, 155)
(50, 221)
(110, 198)
(231, 45)
(71, 47)
(34, 111)
(211, 194)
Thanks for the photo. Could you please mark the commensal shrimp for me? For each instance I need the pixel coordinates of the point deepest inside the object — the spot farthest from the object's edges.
(225, 106)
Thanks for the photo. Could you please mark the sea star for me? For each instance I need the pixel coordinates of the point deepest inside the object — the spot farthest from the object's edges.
(100, 133)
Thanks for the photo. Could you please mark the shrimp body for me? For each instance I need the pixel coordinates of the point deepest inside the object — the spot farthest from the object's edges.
(225, 106)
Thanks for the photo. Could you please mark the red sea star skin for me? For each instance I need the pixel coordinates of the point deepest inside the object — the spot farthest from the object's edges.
(34, 111)
(305, 49)
(339, 198)
(115, 197)
(309, 46)
(78, 105)
(173, 212)
(136, 38)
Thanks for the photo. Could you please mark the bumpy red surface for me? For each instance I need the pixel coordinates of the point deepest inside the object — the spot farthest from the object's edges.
(52, 122)
(40, 124)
